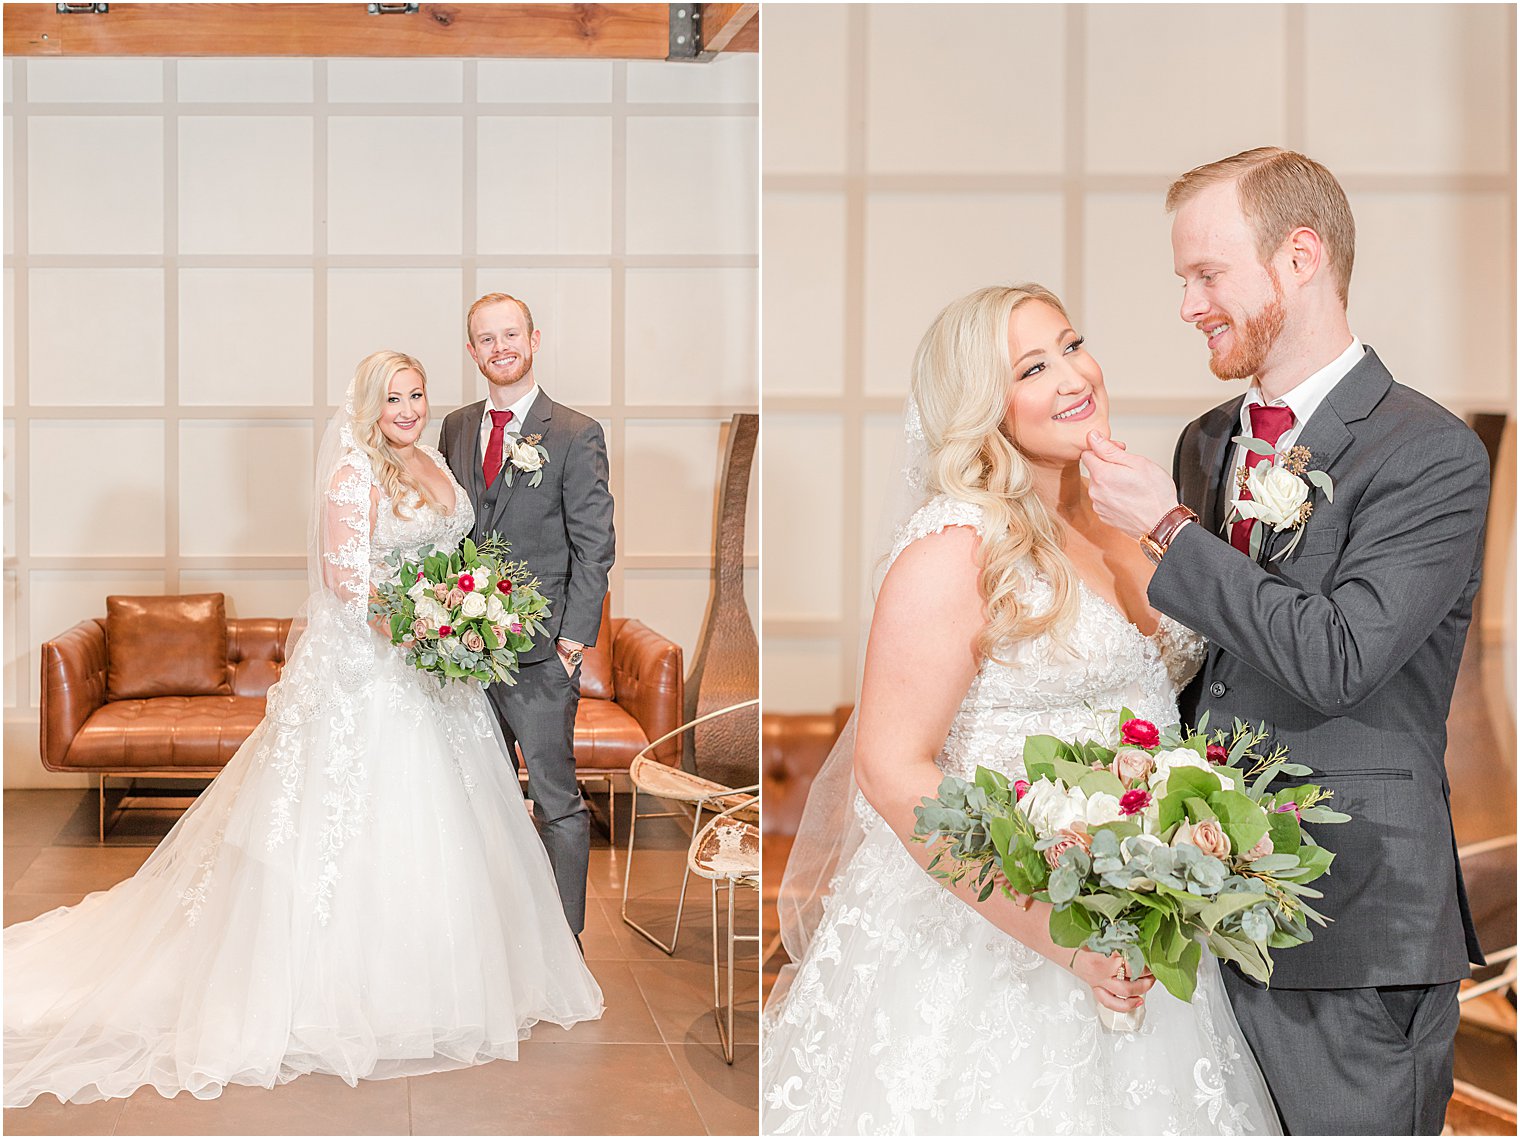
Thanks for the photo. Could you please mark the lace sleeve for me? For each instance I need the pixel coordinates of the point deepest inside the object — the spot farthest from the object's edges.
(1182, 650)
(935, 515)
(348, 520)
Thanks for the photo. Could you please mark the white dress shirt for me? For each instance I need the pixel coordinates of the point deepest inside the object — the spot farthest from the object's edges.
(519, 411)
(1303, 401)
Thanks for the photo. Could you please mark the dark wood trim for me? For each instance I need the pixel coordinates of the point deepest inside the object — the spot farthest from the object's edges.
(463, 30)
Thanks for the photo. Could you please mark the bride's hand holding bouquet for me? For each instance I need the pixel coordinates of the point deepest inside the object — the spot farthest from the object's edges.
(465, 614)
(1149, 850)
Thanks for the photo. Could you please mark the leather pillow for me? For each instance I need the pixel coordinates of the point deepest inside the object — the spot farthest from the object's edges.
(166, 646)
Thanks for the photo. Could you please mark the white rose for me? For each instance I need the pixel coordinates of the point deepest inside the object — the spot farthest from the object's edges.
(1183, 757)
(526, 457)
(419, 588)
(431, 611)
(1132, 845)
(496, 612)
(1050, 807)
(1102, 808)
(1276, 495)
(474, 605)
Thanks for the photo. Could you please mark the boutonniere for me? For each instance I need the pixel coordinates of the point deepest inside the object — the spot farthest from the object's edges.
(526, 453)
(1279, 492)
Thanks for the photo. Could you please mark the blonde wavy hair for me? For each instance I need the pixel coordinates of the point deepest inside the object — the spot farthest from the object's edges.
(962, 375)
(372, 383)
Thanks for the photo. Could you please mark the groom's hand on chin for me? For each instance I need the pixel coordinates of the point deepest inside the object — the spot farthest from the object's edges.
(1129, 492)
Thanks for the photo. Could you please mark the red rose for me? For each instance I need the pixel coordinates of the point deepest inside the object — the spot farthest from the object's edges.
(505, 585)
(445, 630)
(1133, 802)
(1139, 733)
(467, 583)
(1217, 755)
(420, 575)
(1020, 789)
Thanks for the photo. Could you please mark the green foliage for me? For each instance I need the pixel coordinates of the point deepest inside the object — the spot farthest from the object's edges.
(1241, 818)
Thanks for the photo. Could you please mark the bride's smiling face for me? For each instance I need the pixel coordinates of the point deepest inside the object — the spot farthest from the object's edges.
(404, 413)
(1057, 395)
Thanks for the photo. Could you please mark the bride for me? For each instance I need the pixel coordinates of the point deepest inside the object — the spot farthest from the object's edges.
(360, 891)
(1007, 609)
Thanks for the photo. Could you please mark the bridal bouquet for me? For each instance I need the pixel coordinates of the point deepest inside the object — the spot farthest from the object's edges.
(1153, 845)
(463, 614)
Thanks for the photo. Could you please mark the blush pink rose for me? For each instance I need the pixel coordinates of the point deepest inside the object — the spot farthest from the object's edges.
(1207, 836)
(1260, 850)
(1069, 837)
(1132, 765)
(500, 633)
(455, 598)
(441, 591)
(419, 628)
(473, 641)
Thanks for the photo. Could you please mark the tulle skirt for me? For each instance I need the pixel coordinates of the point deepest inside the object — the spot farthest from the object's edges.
(360, 892)
(912, 1014)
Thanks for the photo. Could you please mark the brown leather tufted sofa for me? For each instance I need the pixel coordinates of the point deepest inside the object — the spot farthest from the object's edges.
(631, 692)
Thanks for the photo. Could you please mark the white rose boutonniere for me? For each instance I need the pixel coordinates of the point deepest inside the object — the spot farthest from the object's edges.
(526, 453)
(1279, 492)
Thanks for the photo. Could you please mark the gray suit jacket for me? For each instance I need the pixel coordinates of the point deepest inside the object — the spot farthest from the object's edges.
(563, 527)
(1348, 649)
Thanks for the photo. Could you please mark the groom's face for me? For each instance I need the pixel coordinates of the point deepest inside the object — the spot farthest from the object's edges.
(501, 343)
(1228, 294)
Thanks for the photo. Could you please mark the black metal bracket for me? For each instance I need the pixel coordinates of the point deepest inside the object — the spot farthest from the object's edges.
(81, 9)
(391, 9)
(686, 35)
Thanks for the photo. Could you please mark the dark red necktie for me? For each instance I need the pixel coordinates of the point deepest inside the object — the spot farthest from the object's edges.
(492, 466)
(1268, 425)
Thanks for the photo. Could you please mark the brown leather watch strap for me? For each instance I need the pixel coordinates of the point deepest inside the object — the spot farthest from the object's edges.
(1156, 542)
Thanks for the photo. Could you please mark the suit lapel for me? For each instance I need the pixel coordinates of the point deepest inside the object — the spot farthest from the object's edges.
(1213, 472)
(536, 422)
(1327, 435)
(467, 447)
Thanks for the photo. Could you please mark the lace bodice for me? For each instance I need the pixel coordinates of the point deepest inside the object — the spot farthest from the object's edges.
(355, 561)
(426, 528)
(1043, 688)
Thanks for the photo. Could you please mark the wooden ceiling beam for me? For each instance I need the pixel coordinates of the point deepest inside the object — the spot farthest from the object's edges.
(462, 30)
(730, 27)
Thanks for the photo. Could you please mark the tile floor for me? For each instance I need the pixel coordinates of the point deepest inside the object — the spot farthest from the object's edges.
(651, 1066)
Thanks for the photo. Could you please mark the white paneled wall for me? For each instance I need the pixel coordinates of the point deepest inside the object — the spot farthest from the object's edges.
(915, 152)
(198, 252)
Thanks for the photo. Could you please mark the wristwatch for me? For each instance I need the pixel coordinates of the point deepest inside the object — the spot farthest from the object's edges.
(572, 657)
(1156, 542)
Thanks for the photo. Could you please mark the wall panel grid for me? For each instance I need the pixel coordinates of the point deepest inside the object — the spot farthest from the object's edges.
(913, 152)
(198, 252)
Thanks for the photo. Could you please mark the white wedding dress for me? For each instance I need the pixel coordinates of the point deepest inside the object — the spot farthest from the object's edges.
(910, 1013)
(360, 891)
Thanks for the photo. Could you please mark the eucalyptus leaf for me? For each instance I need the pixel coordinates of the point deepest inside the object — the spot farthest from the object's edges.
(1324, 482)
(1255, 446)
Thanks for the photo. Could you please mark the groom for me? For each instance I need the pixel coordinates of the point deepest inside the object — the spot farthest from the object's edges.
(1346, 647)
(562, 527)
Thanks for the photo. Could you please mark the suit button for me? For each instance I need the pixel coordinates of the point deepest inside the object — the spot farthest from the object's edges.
(1217, 690)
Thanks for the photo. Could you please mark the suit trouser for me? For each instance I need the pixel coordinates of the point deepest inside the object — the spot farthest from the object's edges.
(1352, 1061)
(537, 714)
